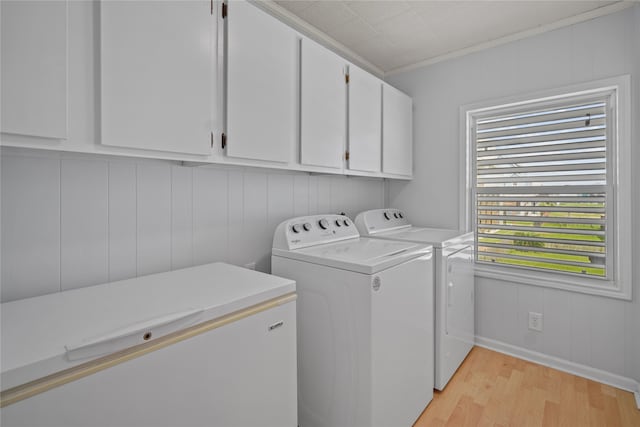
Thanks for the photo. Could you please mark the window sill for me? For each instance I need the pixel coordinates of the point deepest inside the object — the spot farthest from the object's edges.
(554, 281)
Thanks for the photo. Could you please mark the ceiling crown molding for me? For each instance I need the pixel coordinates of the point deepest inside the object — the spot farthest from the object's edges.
(586, 16)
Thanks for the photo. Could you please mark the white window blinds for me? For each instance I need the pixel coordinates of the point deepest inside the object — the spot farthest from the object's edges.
(541, 188)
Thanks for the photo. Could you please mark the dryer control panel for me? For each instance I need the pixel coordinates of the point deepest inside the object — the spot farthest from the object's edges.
(305, 231)
(378, 220)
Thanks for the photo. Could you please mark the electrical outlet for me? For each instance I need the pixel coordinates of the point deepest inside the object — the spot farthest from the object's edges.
(250, 265)
(535, 321)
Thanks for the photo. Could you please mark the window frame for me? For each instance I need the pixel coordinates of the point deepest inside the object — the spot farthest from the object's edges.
(618, 186)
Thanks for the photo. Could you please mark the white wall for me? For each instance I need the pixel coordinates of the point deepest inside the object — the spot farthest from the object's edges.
(635, 352)
(598, 332)
(71, 220)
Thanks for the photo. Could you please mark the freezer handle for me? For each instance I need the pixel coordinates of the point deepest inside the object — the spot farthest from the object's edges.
(131, 335)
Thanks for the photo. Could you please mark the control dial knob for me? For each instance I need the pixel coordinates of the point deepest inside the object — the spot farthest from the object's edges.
(338, 223)
(387, 215)
(296, 228)
(306, 226)
(323, 223)
(346, 223)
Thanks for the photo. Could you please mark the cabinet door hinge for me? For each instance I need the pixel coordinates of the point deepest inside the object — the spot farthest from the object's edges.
(211, 139)
(223, 140)
(346, 78)
(346, 155)
(211, 8)
(224, 10)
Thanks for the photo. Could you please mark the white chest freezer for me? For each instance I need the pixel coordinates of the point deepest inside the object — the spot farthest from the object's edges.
(210, 345)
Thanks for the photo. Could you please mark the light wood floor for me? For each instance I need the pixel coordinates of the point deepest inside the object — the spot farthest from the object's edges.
(493, 389)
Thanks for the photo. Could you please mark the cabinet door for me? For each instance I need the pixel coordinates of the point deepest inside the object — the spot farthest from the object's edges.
(323, 106)
(397, 141)
(365, 121)
(261, 85)
(34, 68)
(157, 75)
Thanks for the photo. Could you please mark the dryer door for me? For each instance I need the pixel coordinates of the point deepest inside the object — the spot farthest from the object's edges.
(459, 295)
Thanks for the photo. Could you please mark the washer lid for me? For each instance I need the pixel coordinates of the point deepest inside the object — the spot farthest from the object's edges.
(362, 255)
(49, 333)
(438, 237)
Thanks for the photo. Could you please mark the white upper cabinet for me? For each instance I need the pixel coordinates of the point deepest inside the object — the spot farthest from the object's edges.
(34, 68)
(261, 85)
(397, 141)
(157, 63)
(166, 79)
(323, 107)
(365, 121)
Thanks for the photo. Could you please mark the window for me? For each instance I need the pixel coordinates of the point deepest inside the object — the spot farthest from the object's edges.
(547, 181)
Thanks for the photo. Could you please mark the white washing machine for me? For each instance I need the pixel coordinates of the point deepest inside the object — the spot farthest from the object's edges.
(365, 323)
(454, 283)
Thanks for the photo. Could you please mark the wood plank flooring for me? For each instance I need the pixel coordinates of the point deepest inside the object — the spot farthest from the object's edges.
(493, 389)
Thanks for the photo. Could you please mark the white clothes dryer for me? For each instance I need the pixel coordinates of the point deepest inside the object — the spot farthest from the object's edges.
(365, 323)
(453, 282)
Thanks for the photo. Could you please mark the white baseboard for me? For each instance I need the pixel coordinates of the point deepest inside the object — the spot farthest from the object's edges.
(585, 371)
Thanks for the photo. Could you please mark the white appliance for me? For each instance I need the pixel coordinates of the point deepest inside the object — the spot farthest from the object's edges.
(365, 323)
(454, 283)
(210, 345)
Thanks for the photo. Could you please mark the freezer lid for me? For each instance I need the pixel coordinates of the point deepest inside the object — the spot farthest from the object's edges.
(49, 333)
(363, 255)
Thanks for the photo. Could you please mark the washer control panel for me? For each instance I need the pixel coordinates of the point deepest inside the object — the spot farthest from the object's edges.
(378, 220)
(296, 233)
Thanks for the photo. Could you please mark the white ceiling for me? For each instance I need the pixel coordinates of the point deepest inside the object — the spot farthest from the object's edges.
(393, 34)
